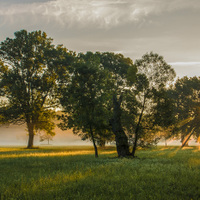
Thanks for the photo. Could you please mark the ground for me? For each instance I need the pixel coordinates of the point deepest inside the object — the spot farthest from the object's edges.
(74, 173)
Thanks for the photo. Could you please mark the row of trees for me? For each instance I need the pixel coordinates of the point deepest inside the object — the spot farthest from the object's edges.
(102, 96)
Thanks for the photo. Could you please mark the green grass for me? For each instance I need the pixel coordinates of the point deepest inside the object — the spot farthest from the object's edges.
(74, 173)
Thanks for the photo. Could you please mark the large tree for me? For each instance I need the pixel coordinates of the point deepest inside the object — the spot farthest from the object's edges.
(187, 101)
(153, 75)
(29, 65)
(85, 100)
(118, 65)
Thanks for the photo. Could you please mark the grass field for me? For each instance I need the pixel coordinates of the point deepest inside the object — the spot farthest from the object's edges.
(73, 173)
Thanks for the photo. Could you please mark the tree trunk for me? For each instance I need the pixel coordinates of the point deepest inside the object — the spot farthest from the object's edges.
(31, 135)
(183, 140)
(120, 136)
(186, 139)
(185, 144)
(165, 142)
(137, 129)
(93, 141)
(122, 144)
(135, 144)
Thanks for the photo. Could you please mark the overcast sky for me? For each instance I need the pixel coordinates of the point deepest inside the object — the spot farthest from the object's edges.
(170, 28)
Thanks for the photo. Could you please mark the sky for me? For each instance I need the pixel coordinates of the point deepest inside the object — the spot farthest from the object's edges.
(170, 28)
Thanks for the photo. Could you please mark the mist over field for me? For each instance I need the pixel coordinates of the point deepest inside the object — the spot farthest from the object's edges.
(14, 135)
(17, 135)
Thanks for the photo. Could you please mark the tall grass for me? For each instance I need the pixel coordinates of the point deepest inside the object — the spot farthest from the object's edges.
(74, 173)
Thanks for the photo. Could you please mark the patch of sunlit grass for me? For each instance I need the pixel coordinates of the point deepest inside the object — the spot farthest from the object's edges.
(47, 154)
(185, 148)
(9, 149)
(73, 151)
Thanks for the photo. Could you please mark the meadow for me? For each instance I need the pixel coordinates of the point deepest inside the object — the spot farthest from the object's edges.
(74, 173)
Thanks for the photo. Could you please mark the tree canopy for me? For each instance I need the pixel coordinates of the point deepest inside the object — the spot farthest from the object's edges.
(187, 102)
(28, 74)
(154, 74)
(84, 99)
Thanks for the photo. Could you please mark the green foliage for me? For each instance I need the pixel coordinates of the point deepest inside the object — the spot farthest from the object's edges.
(69, 173)
(131, 74)
(28, 80)
(118, 67)
(85, 100)
(186, 97)
(164, 109)
(115, 63)
(155, 68)
(84, 95)
(154, 74)
(45, 122)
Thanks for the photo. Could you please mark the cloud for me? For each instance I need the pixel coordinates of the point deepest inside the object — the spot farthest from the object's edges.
(105, 14)
(22, 1)
(87, 12)
(110, 13)
(133, 27)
